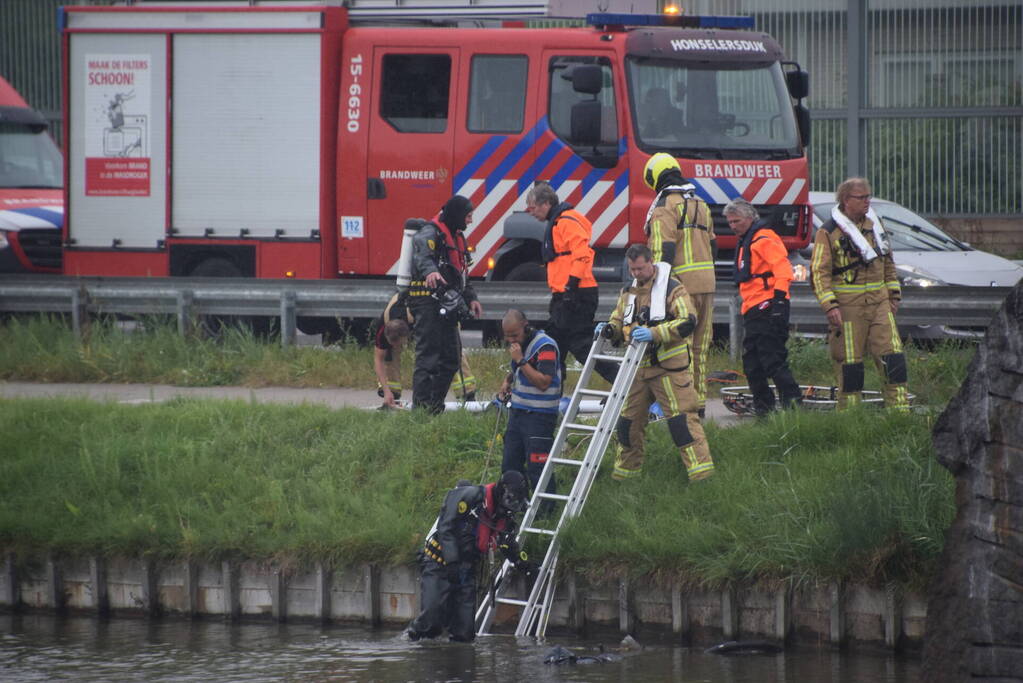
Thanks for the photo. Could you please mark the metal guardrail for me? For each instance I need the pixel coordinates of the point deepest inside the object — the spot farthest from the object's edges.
(189, 298)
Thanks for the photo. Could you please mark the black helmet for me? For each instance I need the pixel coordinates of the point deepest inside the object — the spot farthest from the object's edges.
(511, 494)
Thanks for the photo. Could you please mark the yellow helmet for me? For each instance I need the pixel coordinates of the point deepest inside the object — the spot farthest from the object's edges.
(656, 165)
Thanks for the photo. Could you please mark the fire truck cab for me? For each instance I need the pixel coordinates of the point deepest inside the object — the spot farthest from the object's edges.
(486, 112)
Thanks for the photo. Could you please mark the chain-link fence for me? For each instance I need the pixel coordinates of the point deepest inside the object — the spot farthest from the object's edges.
(30, 54)
(924, 97)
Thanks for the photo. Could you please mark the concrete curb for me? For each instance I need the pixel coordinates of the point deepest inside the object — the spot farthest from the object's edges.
(829, 615)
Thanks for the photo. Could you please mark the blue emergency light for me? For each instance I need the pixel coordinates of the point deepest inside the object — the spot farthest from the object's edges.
(676, 20)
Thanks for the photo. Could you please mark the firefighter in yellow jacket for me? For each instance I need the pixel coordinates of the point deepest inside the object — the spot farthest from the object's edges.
(854, 278)
(680, 232)
(657, 310)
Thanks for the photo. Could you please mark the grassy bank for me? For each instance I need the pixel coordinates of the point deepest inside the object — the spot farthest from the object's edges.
(44, 350)
(815, 496)
(809, 495)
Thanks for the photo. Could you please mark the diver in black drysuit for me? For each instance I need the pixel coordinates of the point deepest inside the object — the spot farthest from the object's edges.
(473, 519)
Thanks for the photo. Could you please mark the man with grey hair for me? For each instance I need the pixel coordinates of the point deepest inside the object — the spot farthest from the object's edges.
(569, 261)
(763, 274)
(853, 275)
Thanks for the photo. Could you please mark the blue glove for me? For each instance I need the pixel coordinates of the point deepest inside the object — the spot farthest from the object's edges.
(599, 329)
(642, 334)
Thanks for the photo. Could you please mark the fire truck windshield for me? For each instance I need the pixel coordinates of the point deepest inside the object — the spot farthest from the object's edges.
(28, 157)
(735, 111)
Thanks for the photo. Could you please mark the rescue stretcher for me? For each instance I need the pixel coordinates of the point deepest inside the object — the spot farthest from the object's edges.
(739, 400)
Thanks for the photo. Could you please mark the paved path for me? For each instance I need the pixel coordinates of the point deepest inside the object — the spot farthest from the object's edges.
(148, 393)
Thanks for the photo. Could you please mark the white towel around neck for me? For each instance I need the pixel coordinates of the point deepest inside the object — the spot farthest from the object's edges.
(658, 296)
(867, 252)
(688, 191)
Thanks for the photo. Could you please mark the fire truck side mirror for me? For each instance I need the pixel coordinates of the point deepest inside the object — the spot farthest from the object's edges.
(30, 118)
(587, 79)
(798, 83)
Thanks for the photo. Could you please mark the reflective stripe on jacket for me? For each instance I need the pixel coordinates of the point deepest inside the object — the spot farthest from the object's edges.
(680, 232)
(431, 252)
(525, 396)
(670, 350)
(840, 277)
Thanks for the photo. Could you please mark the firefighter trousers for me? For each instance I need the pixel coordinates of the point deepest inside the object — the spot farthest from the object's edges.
(868, 329)
(764, 355)
(463, 384)
(448, 599)
(570, 324)
(527, 443)
(674, 391)
(392, 369)
(703, 308)
(437, 349)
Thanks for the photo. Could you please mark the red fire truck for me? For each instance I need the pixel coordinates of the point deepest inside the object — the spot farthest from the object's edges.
(31, 197)
(294, 141)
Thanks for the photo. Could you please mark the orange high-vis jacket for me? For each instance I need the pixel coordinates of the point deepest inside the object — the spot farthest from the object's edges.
(769, 267)
(572, 253)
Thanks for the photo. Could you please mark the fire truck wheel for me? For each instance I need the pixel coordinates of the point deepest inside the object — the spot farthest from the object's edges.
(492, 334)
(216, 267)
(527, 272)
(214, 326)
(358, 330)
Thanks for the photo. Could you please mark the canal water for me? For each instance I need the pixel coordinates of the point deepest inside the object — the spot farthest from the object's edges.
(50, 648)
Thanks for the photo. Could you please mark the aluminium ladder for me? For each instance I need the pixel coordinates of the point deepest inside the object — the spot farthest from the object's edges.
(582, 472)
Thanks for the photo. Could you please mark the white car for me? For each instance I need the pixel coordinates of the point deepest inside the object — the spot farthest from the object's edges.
(925, 256)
